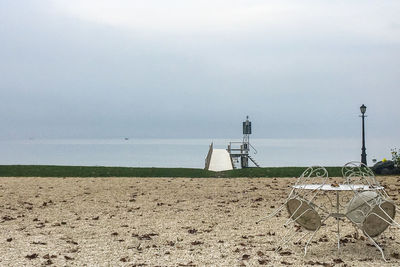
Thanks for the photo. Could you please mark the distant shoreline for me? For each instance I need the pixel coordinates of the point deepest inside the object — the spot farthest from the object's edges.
(97, 171)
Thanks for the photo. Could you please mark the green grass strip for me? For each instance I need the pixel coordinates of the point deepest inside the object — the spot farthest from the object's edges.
(84, 171)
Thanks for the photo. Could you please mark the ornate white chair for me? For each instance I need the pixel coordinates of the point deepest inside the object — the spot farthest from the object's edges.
(371, 210)
(301, 206)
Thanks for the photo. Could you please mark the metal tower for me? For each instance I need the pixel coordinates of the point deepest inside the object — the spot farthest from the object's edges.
(245, 147)
(243, 152)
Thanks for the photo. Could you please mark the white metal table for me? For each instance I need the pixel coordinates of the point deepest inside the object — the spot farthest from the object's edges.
(337, 188)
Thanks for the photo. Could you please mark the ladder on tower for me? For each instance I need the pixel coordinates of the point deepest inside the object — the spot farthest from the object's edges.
(255, 163)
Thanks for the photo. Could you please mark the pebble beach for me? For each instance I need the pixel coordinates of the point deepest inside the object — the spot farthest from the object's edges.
(169, 222)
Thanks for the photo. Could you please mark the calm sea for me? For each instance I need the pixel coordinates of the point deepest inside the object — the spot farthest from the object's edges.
(188, 153)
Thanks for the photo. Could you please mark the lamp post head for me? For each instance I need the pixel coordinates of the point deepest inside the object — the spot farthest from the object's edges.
(363, 108)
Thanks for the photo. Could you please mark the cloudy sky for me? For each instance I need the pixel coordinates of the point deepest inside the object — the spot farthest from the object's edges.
(156, 68)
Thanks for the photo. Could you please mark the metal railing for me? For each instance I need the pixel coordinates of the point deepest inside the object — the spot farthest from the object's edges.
(240, 149)
(208, 158)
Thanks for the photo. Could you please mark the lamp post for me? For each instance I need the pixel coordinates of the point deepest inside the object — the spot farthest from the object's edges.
(363, 108)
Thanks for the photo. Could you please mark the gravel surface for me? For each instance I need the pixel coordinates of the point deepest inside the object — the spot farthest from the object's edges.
(168, 222)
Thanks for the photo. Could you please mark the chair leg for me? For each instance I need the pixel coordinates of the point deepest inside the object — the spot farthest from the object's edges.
(280, 247)
(309, 240)
(377, 246)
(272, 214)
(357, 235)
(396, 223)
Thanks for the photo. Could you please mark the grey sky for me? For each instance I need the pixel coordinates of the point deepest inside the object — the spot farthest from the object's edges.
(197, 68)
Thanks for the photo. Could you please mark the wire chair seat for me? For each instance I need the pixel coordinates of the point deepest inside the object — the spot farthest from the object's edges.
(359, 206)
(304, 214)
(371, 213)
(379, 219)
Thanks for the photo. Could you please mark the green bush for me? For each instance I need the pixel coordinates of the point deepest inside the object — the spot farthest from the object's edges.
(396, 157)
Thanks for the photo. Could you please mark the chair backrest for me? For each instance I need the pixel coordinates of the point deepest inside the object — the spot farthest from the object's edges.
(315, 175)
(355, 172)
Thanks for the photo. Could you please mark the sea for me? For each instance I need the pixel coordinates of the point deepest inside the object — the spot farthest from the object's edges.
(186, 153)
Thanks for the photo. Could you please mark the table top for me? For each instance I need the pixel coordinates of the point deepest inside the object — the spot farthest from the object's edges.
(340, 187)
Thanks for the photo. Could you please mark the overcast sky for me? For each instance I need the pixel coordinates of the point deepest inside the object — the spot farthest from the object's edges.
(299, 69)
